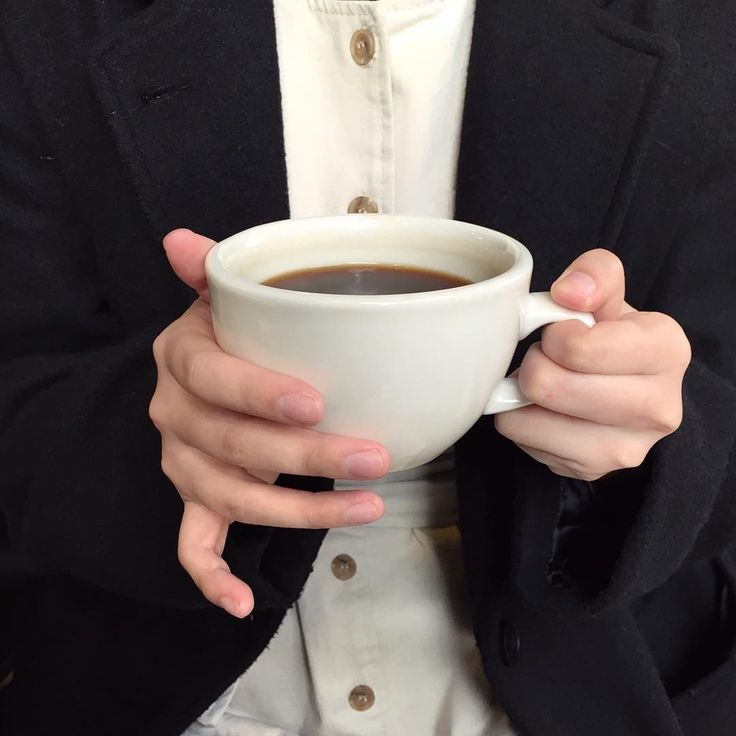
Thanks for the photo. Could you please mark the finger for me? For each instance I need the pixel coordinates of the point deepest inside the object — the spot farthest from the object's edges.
(186, 252)
(251, 442)
(238, 496)
(631, 401)
(202, 537)
(646, 343)
(594, 282)
(199, 365)
(558, 465)
(589, 447)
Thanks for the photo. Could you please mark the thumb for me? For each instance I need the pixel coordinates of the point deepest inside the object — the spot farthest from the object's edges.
(186, 252)
(594, 282)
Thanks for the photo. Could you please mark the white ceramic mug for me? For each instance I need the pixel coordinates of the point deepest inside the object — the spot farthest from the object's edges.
(411, 371)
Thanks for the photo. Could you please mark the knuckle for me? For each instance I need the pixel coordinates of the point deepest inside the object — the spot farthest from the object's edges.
(680, 350)
(158, 347)
(504, 423)
(157, 411)
(575, 351)
(584, 469)
(669, 418)
(609, 260)
(314, 518)
(182, 554)
(686, 347)
(234, 448)
(191, 368)
(628, 454)
(245, 394)
(256, 399)
(616, 265)
(559, 469)
(589, 475)
(686, 355)
(174, 468)
(539, 384)
(317, 513)
(312, 460)
(168, 464)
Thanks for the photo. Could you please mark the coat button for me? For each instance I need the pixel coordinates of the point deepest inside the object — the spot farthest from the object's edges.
(344, 567)
(362, 47)
(362, 205)
(508, 643)
(361, 698)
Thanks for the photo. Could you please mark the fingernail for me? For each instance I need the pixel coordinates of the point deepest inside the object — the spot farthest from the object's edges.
(365, 464)
(300, 407)
(578, 283)
(361, 513)
(230, 606)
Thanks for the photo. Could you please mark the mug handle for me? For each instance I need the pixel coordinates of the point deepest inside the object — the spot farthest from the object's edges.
(537, 309)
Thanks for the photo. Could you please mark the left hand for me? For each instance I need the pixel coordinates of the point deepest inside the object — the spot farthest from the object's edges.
(604, 395)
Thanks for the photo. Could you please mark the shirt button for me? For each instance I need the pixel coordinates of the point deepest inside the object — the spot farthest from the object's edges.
(362, 47)
(362, 205)
(361, 697)
(344, 567)
(508, 643)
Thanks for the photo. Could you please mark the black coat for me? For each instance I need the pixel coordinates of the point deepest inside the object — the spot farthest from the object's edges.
(606, 608)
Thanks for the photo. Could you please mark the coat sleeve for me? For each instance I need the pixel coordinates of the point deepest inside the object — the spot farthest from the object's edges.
(620, 537)
(81, 488)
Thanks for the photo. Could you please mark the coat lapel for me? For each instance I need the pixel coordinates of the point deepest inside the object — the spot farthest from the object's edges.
(191, 90)
(561, 101)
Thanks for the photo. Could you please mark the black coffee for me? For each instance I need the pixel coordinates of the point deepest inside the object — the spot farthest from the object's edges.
(365, 279)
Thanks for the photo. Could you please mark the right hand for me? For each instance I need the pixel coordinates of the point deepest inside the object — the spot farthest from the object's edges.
(229, 429)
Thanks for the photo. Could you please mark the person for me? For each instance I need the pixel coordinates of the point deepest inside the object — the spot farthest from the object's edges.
(596, 526)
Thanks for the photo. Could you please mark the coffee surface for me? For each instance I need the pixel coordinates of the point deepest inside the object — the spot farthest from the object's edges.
(362, 278)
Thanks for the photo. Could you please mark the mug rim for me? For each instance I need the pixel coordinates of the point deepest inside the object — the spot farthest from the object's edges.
(222, 277)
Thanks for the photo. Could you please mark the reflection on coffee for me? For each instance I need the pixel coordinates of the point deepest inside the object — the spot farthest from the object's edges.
(361, 278)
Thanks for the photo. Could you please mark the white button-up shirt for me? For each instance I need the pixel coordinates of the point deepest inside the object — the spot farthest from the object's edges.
(388, 129)
(380, 641)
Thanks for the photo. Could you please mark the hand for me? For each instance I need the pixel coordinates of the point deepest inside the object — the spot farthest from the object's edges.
(229, 428)
(603, 395)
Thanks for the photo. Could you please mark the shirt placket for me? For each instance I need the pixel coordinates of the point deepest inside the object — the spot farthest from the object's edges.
(337, 617)
(363, 174)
